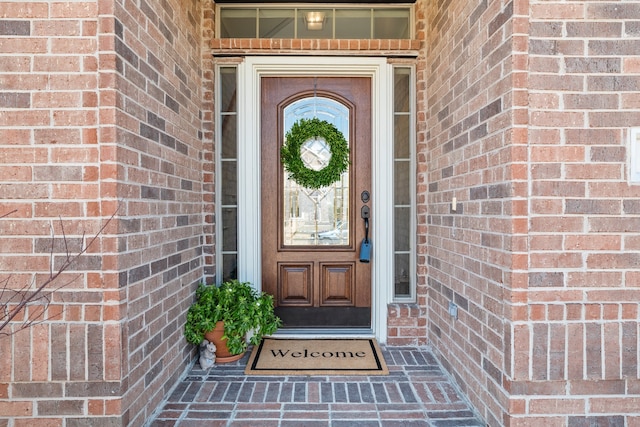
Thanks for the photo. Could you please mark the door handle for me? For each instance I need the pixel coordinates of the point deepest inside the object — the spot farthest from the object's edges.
(365, 246)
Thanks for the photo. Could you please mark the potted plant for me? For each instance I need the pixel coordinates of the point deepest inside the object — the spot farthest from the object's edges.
(236, 310)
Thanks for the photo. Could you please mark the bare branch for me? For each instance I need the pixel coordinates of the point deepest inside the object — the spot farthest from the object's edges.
(51, 249)
(8, 213)
(64, 240)
(42, 293)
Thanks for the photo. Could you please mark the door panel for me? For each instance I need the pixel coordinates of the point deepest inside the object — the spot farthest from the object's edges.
(310, 238)
(296, 287)
(337, 284)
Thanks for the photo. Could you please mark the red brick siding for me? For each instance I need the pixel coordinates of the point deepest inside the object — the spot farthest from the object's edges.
(578, 327)
(50, 175)
(523, 109)
(406, 324)
(473, 149)
(315, 47)
(102, 106)
(208, 139)
(544, 243)
(160, 158)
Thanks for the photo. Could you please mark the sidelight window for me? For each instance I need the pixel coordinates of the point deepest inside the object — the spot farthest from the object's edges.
(227, 174)
(404, 226)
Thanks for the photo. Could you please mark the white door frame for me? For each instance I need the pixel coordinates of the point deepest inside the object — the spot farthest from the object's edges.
(250, 72)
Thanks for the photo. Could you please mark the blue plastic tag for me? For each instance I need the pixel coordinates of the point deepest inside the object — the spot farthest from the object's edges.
(365, 251)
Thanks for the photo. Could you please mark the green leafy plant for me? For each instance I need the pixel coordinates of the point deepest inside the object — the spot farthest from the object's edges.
(239, 306)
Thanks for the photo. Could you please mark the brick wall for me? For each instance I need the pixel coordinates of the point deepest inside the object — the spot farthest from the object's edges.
(50, 175)
(577, 338)
(102, 109)
(528, 110)
(158, 158)
(523, 116)
(473, 150)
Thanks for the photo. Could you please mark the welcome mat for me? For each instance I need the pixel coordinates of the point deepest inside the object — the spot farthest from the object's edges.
(279, 356)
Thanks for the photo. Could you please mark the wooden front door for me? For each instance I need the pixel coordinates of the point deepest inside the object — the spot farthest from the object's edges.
(311, 238)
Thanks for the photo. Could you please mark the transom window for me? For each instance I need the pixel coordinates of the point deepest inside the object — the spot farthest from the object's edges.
(309, 21)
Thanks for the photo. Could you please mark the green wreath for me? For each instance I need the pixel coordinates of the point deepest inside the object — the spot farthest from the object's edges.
(301, 132)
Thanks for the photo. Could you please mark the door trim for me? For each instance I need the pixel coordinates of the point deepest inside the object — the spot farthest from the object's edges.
(250, 71)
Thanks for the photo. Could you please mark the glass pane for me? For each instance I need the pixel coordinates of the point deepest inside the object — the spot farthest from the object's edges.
(401, 276)
(403, 188)
(229, 179)
(315, 153)
(228, 90)
(391, 24)
(401, 137)
(401, 80)
(229, 267)
(276, 23)
(353, 24)
(315, 23)
(237, 23)
(401, 182)
(229, 229)
(316, 217)
(401, 227)
(229, 133)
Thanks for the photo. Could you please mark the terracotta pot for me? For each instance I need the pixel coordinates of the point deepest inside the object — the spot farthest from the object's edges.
(222, 352)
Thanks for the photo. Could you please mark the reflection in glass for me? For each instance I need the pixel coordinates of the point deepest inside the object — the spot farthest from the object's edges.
(229, 269)
(314, 31)
(401, 89)
(227, 172)
(229, 175)
(337, 22)
(228, 131)
(402, 227)
(353, 24)
(391, 23)
(229, 229)
(401, 193)
(401, 138)
(277, 23)
(315, 153)
(402, 278)
(227, 89)
(238, 23)
(403, 184)
(315, 217)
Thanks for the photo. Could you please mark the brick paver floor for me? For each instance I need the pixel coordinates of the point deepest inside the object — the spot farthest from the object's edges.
(415, 393)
